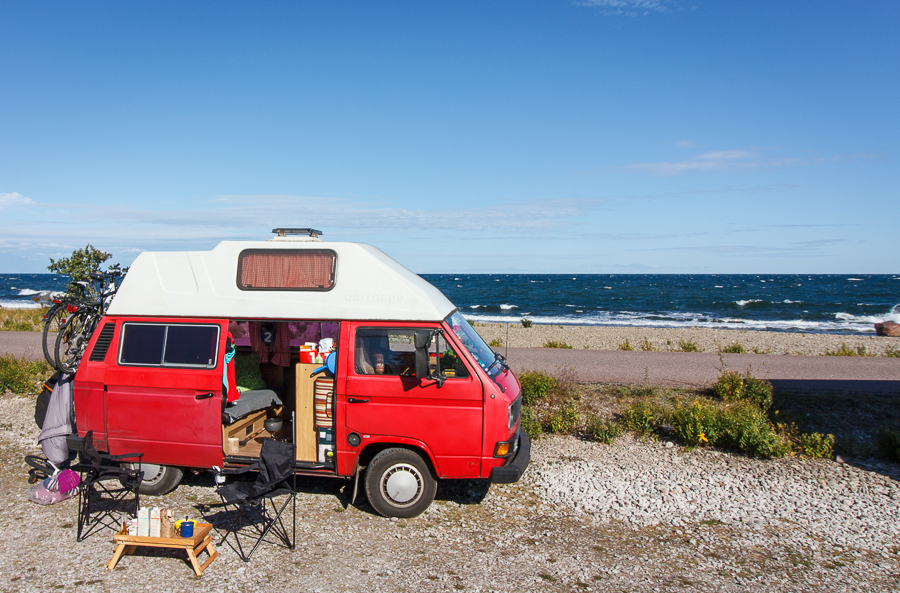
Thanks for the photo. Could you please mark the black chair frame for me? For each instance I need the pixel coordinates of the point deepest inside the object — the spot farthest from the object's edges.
(101, 504)
(254, 513)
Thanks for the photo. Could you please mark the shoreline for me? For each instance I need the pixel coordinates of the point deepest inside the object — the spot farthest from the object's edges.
(597, 337)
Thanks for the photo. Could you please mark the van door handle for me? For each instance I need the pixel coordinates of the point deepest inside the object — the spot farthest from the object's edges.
(204, 395)
(357, 400)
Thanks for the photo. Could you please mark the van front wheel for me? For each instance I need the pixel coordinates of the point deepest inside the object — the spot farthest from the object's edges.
(399, 483)
(159, 479)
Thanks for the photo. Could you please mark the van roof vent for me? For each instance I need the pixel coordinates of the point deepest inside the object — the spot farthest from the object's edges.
(296, 235)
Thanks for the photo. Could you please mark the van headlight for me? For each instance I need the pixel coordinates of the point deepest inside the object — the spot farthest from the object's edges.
(515, 410)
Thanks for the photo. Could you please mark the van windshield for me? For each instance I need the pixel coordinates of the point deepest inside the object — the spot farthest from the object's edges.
(490, 361)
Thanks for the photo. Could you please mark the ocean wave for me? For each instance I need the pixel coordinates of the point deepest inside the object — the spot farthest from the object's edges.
(7, 304)
(28, 292)
(743, 303)
(508, 307)
(840, 325)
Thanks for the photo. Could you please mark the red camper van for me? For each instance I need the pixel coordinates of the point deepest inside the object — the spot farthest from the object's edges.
(204, 354)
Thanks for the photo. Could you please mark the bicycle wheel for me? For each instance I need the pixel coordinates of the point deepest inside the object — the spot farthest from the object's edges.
(73, 339)
(40, 468)
(53, 322)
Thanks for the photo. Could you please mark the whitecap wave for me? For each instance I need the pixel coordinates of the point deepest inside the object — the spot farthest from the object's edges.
(508, 307)
(5, 304)
(28, 292)
(743, 303)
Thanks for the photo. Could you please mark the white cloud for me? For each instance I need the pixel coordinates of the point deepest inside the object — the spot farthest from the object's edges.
(14, 199)
(718, 161)
(626, 7)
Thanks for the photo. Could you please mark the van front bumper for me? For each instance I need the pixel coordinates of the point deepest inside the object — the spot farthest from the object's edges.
(512, 471)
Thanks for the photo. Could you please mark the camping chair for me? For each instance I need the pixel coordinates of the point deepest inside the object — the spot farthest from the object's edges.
(247, 501)
(101, 503)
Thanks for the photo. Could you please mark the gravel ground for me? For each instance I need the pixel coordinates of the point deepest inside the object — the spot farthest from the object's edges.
(632, 516)
(669, 339)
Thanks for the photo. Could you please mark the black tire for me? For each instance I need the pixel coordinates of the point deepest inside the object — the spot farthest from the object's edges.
(158, 479)
(52, 326)
(40, 468)
(72, 340)
(399, 484)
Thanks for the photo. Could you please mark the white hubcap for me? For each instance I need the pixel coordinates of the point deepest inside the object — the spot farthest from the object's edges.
(402, 484)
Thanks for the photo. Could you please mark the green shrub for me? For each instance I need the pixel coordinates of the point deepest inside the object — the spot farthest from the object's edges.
(602, 430)
(496, 343)
(563, 420)
(22, 376)
(526, 322)
(555, 344)
(640, 418)
(817, 445)
(845, 350)
(892, 352)
(689, 346)
(531, 424)
(646, 346)
(730, 387)
(735, 348)
(888, 440)
(741, 425)
(536, 385)
(626, 345)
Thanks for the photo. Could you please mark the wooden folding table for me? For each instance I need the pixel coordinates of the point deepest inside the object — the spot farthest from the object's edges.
(202, 540)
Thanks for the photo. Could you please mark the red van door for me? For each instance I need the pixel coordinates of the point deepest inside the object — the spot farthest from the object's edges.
(385, 401)
(164, 394)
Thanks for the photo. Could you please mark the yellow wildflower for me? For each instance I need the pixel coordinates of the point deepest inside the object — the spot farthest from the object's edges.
(702, 438)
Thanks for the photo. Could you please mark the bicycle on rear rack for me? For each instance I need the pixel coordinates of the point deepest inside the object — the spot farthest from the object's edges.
(80, 317)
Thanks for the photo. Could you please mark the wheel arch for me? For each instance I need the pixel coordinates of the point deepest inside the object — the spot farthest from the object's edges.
(372, 449)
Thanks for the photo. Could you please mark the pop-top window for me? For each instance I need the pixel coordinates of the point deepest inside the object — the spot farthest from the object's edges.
(286, 269)
(157, 344)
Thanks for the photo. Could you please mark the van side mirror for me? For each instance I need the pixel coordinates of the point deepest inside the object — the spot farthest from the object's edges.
(422, 338)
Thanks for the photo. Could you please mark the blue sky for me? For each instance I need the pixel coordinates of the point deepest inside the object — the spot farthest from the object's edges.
(607, 136)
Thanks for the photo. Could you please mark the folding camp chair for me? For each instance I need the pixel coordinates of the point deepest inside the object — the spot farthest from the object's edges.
(254, 512)
(109, 491)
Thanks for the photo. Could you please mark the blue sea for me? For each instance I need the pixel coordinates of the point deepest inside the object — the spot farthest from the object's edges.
(782, 302)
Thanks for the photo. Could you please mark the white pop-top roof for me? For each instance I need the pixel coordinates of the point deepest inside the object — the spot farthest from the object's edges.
(369, 285)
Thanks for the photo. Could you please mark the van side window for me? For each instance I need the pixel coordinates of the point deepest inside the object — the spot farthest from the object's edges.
(388, 351)
(286, 269)
(178, 345)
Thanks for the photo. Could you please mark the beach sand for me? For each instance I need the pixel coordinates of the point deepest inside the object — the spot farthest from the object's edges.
(671, 339)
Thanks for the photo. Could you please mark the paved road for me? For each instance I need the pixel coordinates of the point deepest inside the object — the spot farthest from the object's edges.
(796, 373)
(806, 373)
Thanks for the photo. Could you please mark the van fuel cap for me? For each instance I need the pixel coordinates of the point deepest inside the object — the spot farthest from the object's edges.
(353, 439)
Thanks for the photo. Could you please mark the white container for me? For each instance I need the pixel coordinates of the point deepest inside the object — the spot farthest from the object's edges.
(143, 529)
(326, 453)
(154, 522)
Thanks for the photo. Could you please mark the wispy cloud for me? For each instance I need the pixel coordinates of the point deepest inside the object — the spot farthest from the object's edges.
(127, 229)
(719, 161)
(14, 199)
(814, 248)
(627, 7)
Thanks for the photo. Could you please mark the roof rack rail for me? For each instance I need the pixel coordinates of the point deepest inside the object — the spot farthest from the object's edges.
(295, 232)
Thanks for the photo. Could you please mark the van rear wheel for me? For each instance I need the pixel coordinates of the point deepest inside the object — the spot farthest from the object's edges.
(158, 479)
(399, 483)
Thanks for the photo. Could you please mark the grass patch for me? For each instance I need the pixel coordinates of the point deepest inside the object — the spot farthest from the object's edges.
(892, 352)
(732, 387)
(496, 343)
(526, 322)
(22, 320)
(735, 348)
(22, 376)
(845, 350)
(626, 345)
(646, 346)
(555, 344)
(689, 345)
